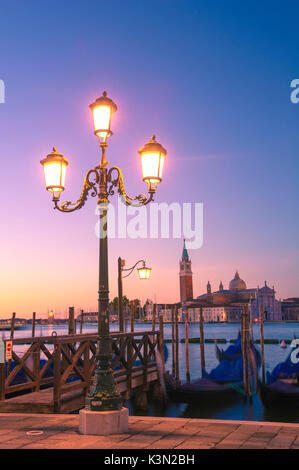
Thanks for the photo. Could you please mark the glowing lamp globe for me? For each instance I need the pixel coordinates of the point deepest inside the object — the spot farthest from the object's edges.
(102, 110)
(144, 272)
(55, 171)
(152, 156)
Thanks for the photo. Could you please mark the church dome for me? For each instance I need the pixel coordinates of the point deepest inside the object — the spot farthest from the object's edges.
(237, 283)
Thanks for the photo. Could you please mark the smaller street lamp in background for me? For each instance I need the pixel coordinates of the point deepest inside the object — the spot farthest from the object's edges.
(143, 272)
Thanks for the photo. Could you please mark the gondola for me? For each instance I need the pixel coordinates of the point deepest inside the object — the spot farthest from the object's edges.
(280, 394)
(234, 352)
(224, 383)
(200, 391)
(281, 389)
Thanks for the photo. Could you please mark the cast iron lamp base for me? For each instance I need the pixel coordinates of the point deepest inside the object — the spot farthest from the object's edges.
(103, 395)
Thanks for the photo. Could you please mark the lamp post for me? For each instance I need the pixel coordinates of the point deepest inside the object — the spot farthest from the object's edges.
(144, 273)
(101, 182)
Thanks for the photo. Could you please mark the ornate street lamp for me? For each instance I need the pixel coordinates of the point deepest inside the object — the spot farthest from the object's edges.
(152, 161)
(143, 272)
(101, 182)
(55, 171)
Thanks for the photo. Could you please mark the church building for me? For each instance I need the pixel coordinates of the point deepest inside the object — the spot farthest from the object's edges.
(225, 304)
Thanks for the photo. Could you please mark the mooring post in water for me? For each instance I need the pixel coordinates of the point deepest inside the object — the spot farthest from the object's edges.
(187, 346)
(262, 342)
(132, 316)
(154, 317)
(246, 311)
(12, 325)
(161, 339)
(33, 325)
(173, 342)
(202, 340)
(177, 365)
(81, 321)
(243, 343)
(71, 330)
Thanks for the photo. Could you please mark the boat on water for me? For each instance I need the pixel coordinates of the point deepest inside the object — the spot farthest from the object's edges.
(224, 383)
(281, 389)
(280, 394)
(7, 326)
(230, 367)
(199, 391)
(234, 352)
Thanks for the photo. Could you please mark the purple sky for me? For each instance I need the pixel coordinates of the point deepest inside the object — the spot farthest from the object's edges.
(211, 81)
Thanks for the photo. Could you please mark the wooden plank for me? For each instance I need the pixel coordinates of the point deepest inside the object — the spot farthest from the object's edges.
(74, 399)
(143, 347)
(36, 402)
(20, 365)
(73, 365)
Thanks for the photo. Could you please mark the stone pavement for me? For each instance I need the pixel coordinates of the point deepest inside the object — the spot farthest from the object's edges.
(39, 431)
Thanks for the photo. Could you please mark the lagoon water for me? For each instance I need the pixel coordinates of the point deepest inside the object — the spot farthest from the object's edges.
(255, 411)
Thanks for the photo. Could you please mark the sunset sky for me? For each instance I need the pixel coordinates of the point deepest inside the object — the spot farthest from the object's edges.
(211, 80)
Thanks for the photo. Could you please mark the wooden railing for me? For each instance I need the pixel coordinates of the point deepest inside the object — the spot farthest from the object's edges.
(68, 363)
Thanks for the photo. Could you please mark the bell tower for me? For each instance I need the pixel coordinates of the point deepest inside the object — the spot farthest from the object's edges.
(186, 282)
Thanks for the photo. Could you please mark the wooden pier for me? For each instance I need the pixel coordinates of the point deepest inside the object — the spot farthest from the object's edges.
(60, 384)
